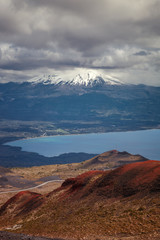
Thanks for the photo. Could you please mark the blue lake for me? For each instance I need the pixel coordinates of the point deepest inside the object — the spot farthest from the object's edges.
(146, 143)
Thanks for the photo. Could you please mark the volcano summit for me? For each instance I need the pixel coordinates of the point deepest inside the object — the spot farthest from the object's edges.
(84, 79)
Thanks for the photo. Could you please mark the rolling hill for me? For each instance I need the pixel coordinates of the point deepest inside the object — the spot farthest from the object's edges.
(111, 159)
(119, 203)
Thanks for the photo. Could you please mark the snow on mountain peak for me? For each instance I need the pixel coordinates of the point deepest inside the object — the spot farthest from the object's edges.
(46, 79)
(91, 79)
(82, 79)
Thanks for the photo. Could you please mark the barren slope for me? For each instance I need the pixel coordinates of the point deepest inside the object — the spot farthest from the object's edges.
(123, 202)
(111, 159)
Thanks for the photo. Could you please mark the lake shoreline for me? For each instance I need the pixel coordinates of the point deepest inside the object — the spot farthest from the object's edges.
(9, 155)
(136, 142)
(75, 134)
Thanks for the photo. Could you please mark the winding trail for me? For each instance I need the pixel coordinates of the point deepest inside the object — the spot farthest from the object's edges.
(26, 189)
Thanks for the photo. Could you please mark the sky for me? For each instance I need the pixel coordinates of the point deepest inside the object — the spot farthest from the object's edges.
(120, 38)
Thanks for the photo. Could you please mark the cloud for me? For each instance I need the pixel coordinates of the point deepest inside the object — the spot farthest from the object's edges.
(141, 53)
(70, 34)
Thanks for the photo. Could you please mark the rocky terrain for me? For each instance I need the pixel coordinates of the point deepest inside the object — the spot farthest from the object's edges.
(122, 203)
(15, 179)
(13, 236)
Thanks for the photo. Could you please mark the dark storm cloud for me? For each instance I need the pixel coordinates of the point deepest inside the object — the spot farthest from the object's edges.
(106, 34)
(73, 23)
(31, 65)
(141, 53)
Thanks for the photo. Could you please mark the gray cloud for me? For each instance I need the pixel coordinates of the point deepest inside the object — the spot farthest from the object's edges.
(55, 34)
(141, 53)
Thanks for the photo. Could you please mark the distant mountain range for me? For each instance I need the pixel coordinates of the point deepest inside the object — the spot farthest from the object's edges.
(86, 79)
(87, 101)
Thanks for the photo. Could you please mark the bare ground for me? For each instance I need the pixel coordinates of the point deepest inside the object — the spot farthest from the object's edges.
(14, 236)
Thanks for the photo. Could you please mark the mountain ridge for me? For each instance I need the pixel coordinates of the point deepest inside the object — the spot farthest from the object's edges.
(85, 79)
(111, 159)
(83, 108)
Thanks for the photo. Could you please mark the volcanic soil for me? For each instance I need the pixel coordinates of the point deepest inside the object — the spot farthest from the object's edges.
(123, 203)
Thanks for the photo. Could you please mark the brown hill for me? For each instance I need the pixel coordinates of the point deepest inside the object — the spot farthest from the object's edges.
(111, 159)
(22, 203)
(121, 202)
(125, 181)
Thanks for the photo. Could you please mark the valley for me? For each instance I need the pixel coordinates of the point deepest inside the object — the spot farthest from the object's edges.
(16, 179)
(110, 196)
(50, 106)
(79, 120)
(81, 207)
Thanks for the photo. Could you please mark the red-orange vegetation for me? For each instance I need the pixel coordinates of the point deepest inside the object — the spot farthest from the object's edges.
(130, 179)
(127, 180)
(81, 179)
(23, 202)
(71, 186)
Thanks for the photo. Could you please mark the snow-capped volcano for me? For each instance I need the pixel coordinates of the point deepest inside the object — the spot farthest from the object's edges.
(85, 79)
(46, 79)
(92, 79)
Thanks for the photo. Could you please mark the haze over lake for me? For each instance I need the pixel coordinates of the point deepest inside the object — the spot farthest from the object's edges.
(146, 143)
